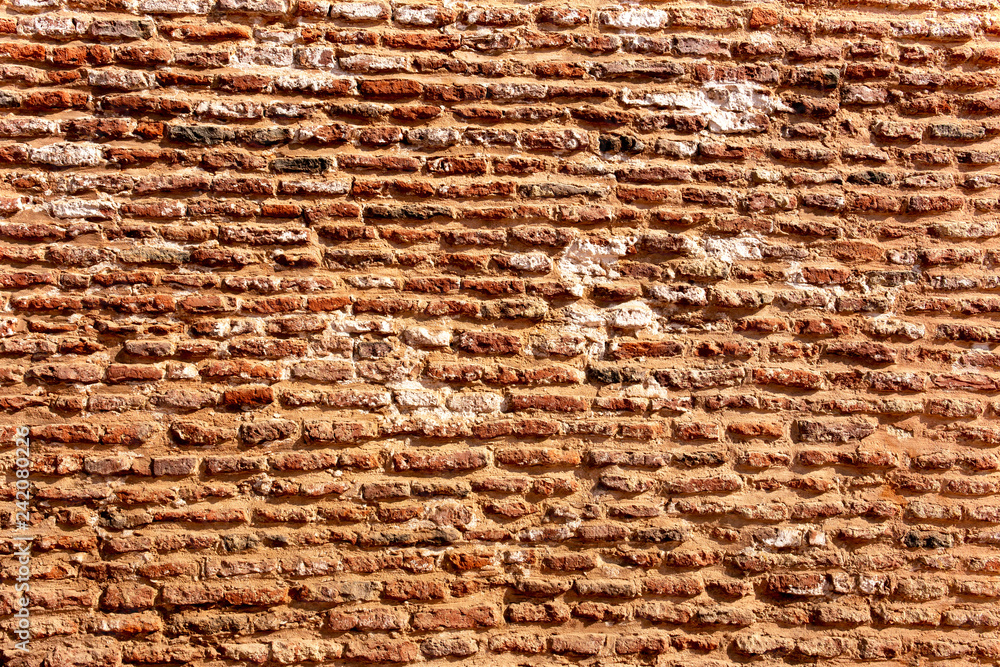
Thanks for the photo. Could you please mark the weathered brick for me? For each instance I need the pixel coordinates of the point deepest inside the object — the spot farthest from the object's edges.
(732, 291)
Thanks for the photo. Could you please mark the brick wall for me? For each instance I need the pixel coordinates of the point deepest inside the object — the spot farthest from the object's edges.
(513, 334)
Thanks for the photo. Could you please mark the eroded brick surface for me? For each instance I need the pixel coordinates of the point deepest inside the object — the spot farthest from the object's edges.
(503, 334)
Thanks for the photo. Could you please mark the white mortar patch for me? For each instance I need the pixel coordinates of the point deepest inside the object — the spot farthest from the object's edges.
(581, 315)
(728, 107)
(583, 260)
(729, 250)
(631, 315)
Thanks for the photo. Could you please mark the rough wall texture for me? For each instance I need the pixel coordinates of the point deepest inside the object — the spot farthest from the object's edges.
(503, 334)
